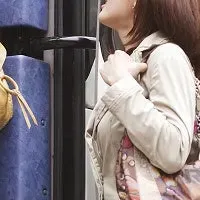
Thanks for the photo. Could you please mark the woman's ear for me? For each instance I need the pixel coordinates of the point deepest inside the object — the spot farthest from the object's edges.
(134, 3)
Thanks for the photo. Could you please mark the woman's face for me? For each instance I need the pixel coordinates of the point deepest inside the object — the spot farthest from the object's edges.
(117, 14)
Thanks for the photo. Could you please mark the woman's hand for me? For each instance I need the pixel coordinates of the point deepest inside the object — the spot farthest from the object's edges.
(118, 66)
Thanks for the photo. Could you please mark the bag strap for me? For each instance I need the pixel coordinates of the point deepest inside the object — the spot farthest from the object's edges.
(147, 53)
(15, 92)
(197, 87)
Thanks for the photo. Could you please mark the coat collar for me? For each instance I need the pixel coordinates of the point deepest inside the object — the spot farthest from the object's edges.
(150, 42)
(155, 39)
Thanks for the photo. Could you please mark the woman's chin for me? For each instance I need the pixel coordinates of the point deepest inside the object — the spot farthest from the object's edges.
(104, 18)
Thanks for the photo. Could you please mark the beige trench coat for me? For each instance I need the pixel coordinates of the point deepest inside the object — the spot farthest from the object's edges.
(157, 112)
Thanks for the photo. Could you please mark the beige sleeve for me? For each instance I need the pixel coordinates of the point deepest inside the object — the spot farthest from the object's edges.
(161, 126)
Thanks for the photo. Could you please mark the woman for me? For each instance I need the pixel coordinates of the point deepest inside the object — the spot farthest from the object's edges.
(156, 109)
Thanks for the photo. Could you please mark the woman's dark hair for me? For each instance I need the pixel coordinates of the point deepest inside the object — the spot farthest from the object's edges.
(179, 20)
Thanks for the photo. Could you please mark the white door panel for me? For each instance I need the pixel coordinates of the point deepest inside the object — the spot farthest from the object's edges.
(91, 88)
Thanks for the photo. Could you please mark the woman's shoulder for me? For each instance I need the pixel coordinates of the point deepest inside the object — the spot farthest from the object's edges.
(169, 60)
(168, 52)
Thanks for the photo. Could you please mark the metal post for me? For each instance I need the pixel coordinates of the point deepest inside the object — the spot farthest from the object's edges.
(58, 107)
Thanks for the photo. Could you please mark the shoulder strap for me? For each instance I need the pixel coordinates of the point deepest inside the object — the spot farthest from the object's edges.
(147, 53)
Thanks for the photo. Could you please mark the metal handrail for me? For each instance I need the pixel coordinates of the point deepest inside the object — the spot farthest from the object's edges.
(79, 42)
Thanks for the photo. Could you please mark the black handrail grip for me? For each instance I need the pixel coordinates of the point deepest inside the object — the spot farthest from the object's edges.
(79, 42)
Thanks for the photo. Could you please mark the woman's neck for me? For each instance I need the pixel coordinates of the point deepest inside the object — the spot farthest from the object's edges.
(125, 38)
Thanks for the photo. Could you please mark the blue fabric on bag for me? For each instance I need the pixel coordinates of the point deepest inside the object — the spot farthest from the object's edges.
(32, 13)
(25, 172)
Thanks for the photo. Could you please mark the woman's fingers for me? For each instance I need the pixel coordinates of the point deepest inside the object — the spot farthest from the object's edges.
(136, 68)
(120, 65)
(142, 67)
